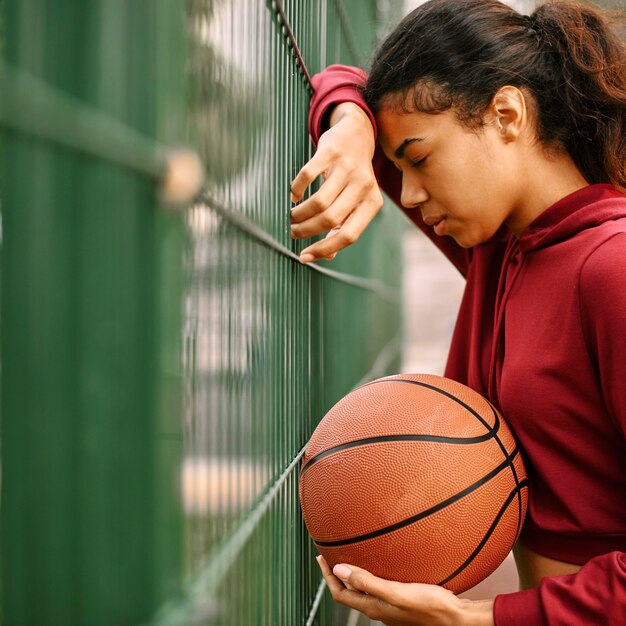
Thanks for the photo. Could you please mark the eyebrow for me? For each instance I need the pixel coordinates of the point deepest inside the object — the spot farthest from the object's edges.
(399, 153)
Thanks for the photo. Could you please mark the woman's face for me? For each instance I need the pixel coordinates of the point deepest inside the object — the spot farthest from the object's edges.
(462, 181)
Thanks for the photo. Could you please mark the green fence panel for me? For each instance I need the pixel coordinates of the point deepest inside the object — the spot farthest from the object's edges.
(89, 504)
(162, 370)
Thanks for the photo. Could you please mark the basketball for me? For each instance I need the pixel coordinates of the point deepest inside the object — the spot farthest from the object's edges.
(415, 478)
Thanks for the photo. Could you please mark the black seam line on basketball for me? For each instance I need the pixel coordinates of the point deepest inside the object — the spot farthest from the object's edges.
(416, 518)
(516, 490)
(513, 471)
(433, 388)
(386, 438)
(515, 478)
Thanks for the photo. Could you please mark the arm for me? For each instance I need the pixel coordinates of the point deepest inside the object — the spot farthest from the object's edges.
(344, 131)
(597, 593)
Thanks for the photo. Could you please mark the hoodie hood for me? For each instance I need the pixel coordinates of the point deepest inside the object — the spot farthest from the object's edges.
(586, 208)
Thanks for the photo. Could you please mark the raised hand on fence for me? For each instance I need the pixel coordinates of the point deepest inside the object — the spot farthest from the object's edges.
(349, 197)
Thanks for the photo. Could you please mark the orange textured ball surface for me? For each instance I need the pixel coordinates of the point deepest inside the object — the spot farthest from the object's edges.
(415, 478)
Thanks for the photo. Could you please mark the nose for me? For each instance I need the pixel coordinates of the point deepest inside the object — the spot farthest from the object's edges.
(413, 193)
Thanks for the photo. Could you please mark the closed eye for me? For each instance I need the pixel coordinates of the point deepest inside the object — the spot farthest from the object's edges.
(418, 163)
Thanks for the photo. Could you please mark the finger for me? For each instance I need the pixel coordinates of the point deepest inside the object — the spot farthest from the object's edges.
(328, 217)
(350, 231)
(333, 583)
(368, 604)
(313, 168)
(366, 582)
(333, 232)
(321, 199)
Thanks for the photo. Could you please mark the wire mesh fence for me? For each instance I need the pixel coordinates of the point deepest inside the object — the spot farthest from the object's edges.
(270, 345)
(162, 371)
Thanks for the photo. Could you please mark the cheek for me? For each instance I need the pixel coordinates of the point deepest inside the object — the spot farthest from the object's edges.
(466, 175)
(482, 160)
(477, 219)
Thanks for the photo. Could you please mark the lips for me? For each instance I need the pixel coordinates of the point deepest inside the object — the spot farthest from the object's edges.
(432, 220)
(438, 222)
(440, 227)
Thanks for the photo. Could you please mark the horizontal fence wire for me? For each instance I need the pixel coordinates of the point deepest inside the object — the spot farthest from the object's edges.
(316, 603)
(35, 108)
(91, 512)
(251, 229)
(39, 110)
(207, 581)
(277, 6)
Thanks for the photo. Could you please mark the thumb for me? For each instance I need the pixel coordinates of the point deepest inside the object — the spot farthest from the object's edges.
(364, 581)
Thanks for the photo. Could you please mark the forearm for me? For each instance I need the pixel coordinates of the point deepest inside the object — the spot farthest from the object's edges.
(350, 109)
(476, 613)
(358, 124)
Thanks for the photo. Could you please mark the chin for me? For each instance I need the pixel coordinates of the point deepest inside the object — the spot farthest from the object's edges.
(471, 239)
(466, 242)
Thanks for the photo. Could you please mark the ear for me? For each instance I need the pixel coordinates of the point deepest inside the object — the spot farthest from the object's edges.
(509, 113)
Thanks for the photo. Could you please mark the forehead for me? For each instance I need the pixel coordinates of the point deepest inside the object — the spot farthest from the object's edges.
(396, 126)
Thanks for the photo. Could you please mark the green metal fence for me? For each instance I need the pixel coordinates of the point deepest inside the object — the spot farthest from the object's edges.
(163, 369)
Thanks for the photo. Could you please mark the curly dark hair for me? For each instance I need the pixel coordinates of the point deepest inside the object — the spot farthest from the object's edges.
(566, 55)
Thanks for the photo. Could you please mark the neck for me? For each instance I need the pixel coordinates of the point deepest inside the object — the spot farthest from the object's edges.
(549, 179)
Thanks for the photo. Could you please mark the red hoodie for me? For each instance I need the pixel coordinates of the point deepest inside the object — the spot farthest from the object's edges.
(541, 332)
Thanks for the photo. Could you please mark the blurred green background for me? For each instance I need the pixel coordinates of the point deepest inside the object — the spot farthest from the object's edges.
(163, 368)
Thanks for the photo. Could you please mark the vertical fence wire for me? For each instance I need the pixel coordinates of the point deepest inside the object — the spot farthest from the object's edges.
(163, 372)
(276, 343)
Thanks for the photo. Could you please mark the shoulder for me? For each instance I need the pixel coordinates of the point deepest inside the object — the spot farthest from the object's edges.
(603, 272)
(607, 254)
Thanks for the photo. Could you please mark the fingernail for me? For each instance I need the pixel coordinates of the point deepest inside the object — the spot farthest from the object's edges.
(306, 258)
(294, 198)
(341, 571)
(317, 558)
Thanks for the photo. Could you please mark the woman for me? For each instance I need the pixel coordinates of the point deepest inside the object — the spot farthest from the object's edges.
(503, 137)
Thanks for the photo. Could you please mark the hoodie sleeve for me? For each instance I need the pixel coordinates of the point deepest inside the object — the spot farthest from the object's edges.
(603, 310)
(594, 595)
(342, 83)
(597, 593)
(336, 84)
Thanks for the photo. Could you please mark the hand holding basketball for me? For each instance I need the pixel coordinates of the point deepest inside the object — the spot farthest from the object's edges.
(403, 604)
